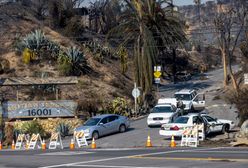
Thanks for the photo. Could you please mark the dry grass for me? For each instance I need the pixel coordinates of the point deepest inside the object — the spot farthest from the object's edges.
(19, 20)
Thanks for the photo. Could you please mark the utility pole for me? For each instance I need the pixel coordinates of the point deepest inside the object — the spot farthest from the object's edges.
(198, 3)
(174, 69)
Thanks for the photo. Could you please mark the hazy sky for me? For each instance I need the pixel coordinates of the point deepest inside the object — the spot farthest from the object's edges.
(177, 2)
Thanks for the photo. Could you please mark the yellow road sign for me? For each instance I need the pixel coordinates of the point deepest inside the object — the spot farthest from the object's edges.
(157, 74)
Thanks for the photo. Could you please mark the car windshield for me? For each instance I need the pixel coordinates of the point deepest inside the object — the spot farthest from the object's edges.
(182, 96)
(92, 122)
(181, 120)
(162, 109)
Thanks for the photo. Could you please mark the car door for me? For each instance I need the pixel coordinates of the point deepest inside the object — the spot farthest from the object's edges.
(114, 123)
(199, 102)
(215, 126)
(104, 126)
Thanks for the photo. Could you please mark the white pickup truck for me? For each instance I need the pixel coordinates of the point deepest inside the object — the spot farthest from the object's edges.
(191, 100)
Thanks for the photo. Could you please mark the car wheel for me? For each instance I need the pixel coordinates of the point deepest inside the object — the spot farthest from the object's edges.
(95, 135)
(225, 128)
(122, 128)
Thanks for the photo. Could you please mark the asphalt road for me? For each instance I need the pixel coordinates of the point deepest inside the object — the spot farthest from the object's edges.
(128, 158)
(136, 136)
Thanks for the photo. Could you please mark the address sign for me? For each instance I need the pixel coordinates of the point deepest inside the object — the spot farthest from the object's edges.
(35, 109)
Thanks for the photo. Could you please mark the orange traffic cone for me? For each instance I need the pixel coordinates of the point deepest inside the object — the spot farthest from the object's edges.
(148, 142)
(13, 145)
(173, 143)
(93, 144)
(1, 147)
(43, 145)
(72, 145)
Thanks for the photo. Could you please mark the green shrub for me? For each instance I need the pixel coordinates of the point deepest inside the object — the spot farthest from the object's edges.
(98, 51)
(119, 106)
(32, 127)
(64, 64)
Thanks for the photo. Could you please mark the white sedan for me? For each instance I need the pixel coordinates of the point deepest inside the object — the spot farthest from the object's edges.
(161, 114)
(177, 127)
(218, 125)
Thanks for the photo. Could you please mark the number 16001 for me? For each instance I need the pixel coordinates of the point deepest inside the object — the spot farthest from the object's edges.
(39, 112)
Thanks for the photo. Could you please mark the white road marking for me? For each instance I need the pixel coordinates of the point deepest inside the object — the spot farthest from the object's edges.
(115, 166)
(117, 149)
(66, 153)
(126, 157)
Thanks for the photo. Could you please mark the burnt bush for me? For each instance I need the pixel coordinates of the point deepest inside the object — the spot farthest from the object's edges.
(240, 99)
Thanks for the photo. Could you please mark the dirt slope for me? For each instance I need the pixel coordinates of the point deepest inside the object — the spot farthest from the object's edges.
(105, 83)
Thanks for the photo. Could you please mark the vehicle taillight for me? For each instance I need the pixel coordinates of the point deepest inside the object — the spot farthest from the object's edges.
(174, 128)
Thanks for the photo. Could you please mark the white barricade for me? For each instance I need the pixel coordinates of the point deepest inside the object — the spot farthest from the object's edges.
(55, 140)
(192, 135)
(35, 138)
(192, 140)
(185, 135)
(20, 141)
(80, 138)
(201, 132)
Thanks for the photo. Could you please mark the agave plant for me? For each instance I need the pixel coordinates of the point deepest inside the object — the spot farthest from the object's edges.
(39, 44)
(54, 49)
(72, 62)
(35, 40)
(75, 55)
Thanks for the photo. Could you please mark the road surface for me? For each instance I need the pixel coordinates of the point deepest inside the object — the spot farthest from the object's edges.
(136, 136)
(128, 158)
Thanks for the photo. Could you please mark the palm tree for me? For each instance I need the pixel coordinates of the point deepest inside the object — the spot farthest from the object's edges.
(145, 24)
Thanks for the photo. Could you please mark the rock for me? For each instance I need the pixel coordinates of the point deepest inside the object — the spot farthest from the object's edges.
(244, 129)
(242, 137)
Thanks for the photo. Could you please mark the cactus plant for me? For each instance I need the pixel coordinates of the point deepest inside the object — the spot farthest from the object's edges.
(28, 55)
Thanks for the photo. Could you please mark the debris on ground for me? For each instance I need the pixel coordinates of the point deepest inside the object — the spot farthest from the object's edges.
(241, 137)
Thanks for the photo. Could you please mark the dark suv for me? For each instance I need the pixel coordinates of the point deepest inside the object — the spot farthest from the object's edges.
(183, 76)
